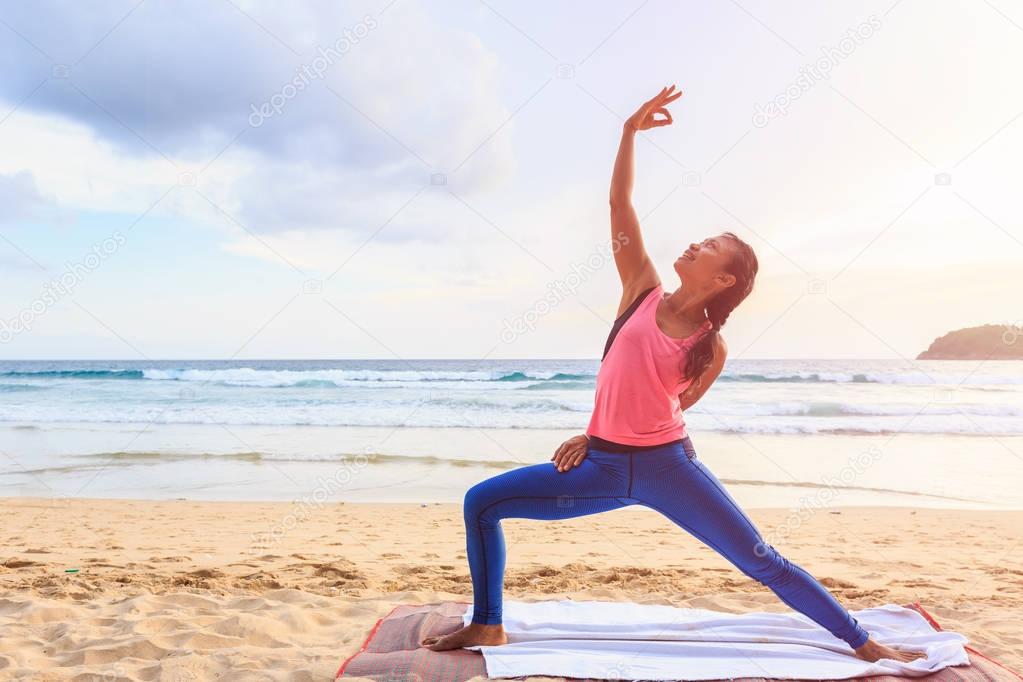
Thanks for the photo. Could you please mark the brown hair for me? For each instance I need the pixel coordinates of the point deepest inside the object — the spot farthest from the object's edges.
(744, 268)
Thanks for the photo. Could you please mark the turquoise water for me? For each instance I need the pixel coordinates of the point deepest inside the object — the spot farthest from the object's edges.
(750, 396)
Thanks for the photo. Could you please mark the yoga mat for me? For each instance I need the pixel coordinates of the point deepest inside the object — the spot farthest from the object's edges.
(391, 652)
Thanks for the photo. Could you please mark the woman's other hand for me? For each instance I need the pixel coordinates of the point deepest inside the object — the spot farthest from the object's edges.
(571, 453)
(644, 118)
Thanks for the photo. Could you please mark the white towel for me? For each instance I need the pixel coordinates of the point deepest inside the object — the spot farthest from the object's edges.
(625, 641)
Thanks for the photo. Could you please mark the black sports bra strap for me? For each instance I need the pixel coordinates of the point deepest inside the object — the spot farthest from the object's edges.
(622, 319)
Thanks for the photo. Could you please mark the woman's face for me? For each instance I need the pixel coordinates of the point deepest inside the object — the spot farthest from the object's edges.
(703, 265)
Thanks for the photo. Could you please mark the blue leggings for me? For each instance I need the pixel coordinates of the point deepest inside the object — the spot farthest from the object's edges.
(668, 479)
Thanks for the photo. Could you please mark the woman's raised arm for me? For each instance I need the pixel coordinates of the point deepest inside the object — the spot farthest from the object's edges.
(634, 266)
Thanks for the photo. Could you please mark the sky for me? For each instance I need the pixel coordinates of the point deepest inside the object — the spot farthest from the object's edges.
(410, 179)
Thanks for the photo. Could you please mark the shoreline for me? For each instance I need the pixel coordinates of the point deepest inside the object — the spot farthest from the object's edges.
(310, 499)
(210, 588)
(371, 464)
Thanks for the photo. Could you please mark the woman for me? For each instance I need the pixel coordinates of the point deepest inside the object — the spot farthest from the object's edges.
(663, 353)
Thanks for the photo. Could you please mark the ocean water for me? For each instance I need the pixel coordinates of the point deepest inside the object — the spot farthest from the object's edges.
(949, 433)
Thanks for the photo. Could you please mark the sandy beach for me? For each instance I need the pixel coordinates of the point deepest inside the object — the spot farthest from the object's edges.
(181, 590)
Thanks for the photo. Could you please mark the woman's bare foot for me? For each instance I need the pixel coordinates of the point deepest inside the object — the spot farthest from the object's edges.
(872, 651)
(471, 635)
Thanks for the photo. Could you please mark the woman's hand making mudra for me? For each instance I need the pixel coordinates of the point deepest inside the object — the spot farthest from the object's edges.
(571, 453)
(644, 118)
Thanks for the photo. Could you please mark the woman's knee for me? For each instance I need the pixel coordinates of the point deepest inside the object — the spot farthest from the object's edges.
(478, 498)
(767, 566)
(471, 501)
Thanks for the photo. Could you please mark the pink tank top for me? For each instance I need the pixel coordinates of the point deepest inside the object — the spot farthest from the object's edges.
(640, 379)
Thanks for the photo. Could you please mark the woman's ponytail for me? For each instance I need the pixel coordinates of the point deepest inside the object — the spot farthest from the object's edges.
(744, 268)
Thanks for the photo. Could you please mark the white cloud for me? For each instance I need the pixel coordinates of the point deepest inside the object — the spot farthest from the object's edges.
(19, 197)
(184, 78)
